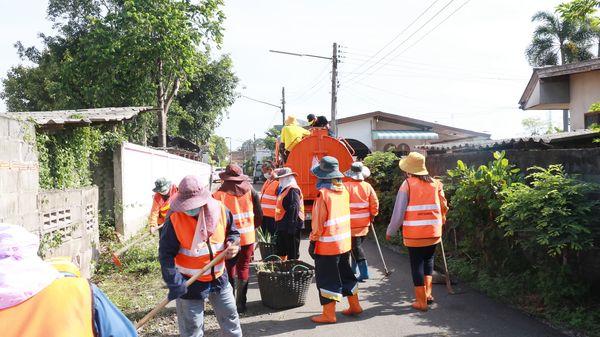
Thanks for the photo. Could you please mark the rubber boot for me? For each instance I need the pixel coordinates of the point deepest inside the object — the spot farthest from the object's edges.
(428, 289)
(421, 299)
(328, 315)
(240, 298)
(364, 271)
(354, 308)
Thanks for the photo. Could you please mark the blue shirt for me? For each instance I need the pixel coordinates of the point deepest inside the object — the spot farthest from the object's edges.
(108, 320)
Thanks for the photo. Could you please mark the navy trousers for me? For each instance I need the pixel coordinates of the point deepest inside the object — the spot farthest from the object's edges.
(335, 278)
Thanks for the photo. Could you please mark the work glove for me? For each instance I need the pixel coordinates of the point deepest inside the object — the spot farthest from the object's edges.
(176, 291)
(311, 249)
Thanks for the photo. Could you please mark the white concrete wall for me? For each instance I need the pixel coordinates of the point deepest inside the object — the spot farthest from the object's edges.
(136, 169)
(585, 91)
(359, 130)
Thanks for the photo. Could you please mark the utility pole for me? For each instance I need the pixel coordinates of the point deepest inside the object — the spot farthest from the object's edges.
(334, 84)
(283, 106)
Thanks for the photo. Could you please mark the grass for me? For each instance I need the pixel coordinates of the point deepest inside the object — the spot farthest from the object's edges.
(137, 287)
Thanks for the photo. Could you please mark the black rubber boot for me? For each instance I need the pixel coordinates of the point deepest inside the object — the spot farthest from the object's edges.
(240, 298)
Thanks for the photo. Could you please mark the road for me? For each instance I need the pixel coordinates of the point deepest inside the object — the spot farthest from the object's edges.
(387, 309)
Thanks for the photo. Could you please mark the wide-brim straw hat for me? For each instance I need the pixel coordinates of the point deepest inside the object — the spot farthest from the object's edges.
(328, 168)
(358, 171)
(233, 173)
(191, 195)
(284, 172)
(291, 120)
(414, 164)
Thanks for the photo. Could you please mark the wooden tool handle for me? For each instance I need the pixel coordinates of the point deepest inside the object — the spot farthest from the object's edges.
(134, 242)
(166, 301)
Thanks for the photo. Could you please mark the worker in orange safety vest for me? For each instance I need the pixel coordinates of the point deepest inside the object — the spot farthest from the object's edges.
(244, 203)
(420, 210)
(39, 298)
(268, 198)
(364, 206)
(289, 215)
(164, 193)
(330, 242)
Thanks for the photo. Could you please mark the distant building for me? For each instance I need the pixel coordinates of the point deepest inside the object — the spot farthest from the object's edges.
(382, 131)
(570, 87)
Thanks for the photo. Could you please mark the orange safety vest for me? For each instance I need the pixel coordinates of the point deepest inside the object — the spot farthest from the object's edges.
(268, 197)
(243, 214)
(194, 254)
(164, 205)
(336, 237)
(280, 211)
(360, 211)
(423, 216)
(64, 308)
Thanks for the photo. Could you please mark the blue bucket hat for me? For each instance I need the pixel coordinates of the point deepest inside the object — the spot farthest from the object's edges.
(328, 168)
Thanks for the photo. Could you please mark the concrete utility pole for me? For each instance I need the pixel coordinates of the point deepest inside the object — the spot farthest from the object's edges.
(334, 85)
(283, 106)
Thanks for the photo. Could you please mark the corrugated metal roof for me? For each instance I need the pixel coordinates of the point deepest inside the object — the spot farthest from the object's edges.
(81, 116)
(491, 143)
(403, 134)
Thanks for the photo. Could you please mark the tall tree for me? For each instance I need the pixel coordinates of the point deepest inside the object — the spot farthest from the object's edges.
(558, 42)
(583, 11)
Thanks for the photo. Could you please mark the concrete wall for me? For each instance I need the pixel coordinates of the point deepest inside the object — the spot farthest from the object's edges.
(585, 162)
(19, 174)
(585, 91)
(135, 170)
(71, 215)
(359, 130)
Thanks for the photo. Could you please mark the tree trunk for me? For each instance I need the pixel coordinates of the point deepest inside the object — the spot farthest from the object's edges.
(162, 117)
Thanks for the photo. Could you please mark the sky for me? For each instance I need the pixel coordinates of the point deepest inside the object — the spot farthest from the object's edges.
(454, 62)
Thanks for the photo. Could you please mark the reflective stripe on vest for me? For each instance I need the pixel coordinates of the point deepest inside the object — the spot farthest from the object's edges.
(268, 198)
(423, 216)
(360, 213)
(164, 205)
(336, 236)
(242, 210)
(193, 253)
(280, 211)
(64, 308)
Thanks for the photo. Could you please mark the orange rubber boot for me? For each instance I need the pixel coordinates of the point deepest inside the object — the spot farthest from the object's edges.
(328, 315)
(421, 299)
(283, 258)
(428, 289)
(354, 308)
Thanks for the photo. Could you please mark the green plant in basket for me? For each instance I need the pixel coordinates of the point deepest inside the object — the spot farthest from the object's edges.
(265, 236)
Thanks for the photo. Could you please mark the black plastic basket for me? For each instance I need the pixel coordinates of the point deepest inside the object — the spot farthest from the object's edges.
(266, 249)
(286, 283)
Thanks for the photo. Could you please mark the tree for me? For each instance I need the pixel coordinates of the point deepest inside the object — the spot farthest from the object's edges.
(536, 126)
(558, 42)
(583, 11)
(218, 150)
(132, 52)
(271, 138)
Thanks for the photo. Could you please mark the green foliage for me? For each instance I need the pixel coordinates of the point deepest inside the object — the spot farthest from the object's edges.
(577, 9)
(535, 126)
(556, 41)
(552, 216)
(594, 107)
(475, 201)
(386, 179)
(265, 237)
(271, 138)
(218, 150)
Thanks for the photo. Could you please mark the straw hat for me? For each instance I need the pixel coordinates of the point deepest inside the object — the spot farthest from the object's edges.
(358, 171)
(291, 120)
(284, 172)
(414, 163)
(328, 168)
(233, 172)
(191, 195)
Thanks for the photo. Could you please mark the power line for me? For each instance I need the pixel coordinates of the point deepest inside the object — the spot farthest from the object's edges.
(404, 41)
(259, 101)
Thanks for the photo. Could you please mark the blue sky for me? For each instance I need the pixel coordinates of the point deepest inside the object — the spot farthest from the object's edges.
(469, 71)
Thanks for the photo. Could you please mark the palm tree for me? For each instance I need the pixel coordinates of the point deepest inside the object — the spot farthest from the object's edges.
(558, 42)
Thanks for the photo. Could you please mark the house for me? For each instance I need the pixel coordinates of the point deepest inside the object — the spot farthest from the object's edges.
(570, 87)
(382, 131)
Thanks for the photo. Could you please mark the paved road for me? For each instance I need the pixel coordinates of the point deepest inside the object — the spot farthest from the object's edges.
(387, 310)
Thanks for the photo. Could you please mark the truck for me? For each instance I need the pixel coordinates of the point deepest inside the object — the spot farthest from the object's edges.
(307, 153)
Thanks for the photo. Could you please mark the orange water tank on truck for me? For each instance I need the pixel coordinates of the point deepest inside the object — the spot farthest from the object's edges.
(307, 154)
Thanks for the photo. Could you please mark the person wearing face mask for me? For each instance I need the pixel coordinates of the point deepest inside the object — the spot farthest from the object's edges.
(197, 229)
(330, 242)
(244, 203)
(164, 193)
(268, 198)
(289, 215)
